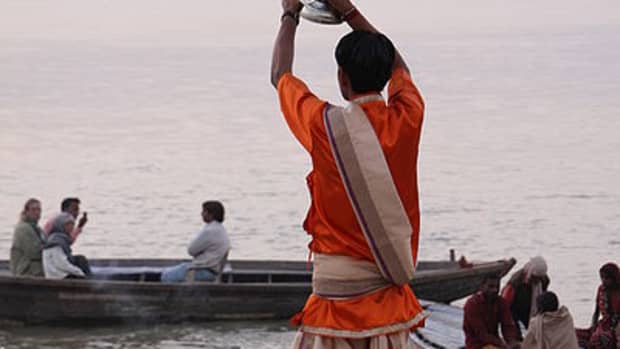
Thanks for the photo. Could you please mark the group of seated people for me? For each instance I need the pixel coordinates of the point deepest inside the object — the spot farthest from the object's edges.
(46, 252)
(525, 302)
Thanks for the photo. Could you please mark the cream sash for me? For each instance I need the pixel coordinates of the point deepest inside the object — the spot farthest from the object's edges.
(380, 213)
(341, 277)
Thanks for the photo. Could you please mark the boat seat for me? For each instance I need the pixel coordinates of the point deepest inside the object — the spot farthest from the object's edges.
(190, 276)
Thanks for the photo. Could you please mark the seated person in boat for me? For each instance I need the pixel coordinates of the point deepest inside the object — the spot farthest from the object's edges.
(209, 248)
(552, 327)
(484, 312)
(523, 288)
(605, 330)
(28, 242)
(72, 207)
(58, 259)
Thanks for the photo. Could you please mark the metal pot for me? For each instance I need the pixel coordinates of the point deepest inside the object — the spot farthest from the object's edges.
(320, 11)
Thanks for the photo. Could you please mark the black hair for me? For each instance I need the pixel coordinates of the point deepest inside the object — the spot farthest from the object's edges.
(367, 59)
(215, 208)
(611, 271)
(66, 203)
(547, 301)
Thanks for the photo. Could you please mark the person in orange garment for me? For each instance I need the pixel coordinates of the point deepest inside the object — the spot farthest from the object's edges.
(361, 297)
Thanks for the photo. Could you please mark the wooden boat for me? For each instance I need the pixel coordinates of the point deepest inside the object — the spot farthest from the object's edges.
(443, 329)
(129, 290)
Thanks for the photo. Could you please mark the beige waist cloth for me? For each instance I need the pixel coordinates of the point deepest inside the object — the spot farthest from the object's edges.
(342, 277)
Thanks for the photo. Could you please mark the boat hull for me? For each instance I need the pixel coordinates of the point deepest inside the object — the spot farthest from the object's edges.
(251, 290)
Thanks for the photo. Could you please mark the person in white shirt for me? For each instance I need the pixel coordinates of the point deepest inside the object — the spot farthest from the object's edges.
(208, 248)
(58, 259)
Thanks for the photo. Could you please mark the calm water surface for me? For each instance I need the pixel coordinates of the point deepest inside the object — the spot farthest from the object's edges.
(213, 336)
(144, 111)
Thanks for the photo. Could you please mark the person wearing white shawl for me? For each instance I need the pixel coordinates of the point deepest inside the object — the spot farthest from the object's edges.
(58, 259)
(552, 327)
(523, 289)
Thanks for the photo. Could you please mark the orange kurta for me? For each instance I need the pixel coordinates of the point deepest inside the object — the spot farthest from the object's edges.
(331, 220)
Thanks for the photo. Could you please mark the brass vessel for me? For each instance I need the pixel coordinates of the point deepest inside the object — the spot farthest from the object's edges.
(320, 11)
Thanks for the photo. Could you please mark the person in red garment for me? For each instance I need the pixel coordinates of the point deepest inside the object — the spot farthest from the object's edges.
(484, 312)
(605, 330)
(364, 216)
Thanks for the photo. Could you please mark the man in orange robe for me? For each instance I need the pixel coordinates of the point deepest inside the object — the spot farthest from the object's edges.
(367, 61)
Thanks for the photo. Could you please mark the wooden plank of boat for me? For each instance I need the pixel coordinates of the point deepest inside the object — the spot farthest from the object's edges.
(249, 290)
(443, 327)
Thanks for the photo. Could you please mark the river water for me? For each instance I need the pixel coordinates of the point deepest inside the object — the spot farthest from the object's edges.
(144, 109)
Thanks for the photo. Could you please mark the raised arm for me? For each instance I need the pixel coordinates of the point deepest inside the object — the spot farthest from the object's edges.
(357, 21)
(284, 48)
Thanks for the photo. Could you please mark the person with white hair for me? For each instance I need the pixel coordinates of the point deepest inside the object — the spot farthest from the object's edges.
(523, 288)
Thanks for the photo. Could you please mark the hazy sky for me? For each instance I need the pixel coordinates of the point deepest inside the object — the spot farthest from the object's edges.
(191, 21)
